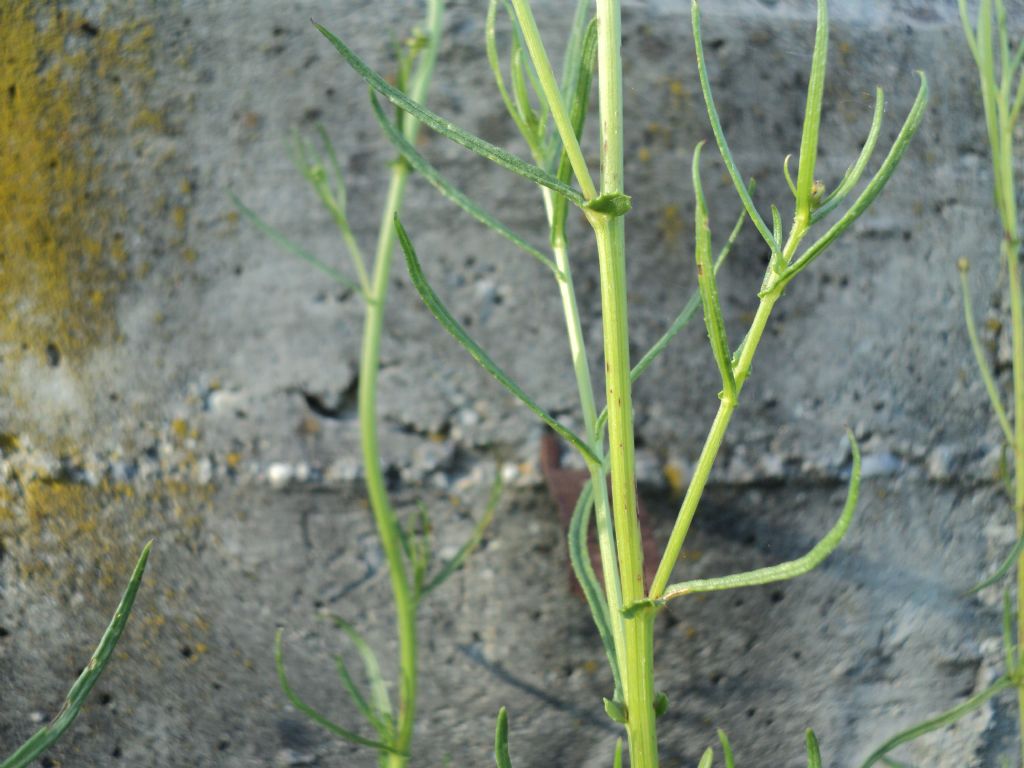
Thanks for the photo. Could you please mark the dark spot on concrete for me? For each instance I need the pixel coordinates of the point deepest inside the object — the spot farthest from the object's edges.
(52, 355)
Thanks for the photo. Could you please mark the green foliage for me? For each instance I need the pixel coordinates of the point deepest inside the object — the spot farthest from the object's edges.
(549, 111)
(46, 736)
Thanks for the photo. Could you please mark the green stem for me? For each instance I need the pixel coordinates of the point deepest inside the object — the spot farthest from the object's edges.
(369, 367)
(637, 666)
(712, 445)
(383, 513)
(595, 437)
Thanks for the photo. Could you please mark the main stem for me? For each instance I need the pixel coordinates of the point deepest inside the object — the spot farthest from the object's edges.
(383, 513)
(638, 665)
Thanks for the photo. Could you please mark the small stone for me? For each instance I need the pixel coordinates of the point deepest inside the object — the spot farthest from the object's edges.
(943, 462)
(280, 474)
(881, 464)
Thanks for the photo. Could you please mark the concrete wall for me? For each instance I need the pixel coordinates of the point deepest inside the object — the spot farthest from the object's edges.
(162, 363)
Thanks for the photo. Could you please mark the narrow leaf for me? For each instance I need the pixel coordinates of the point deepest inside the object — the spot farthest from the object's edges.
(446, 188)
(708, 285)
(1003, 569)
(501, 758)
(707, 758)
(372, 716)
(579, 558)
(979, 356)
(378, 687)
(577, 115)
(278, 237)
(793, 568)
(941, 721)
(726, 749)
(855, 171)
(313, 714)
(45, 737)
(723, 145)
(449, 130)
(450, 324)
(617, 760)
(874, 187)
(789, 178)
(812, 117)
(457, 561)
(691, 304)
(813, 751)
(499, 79)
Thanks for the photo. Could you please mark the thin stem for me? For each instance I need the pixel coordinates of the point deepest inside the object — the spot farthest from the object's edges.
(369, 367)
(383, 513)
(585, 387)
(709, 452)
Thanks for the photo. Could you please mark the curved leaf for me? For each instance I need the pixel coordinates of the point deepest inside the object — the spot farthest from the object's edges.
(313, 714)
(872, 190)
(437, 123)
(422, 166)
(579, 558)
(450, 324)
(708, 285)
(787, 570)
(45, 737)
(946, 718)
(723, 145)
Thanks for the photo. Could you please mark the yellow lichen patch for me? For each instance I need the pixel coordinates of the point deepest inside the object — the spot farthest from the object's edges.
(62, 81)
(670, 223)
(74, 541)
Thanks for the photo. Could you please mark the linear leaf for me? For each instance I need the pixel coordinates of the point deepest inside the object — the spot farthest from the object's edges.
(579, 558)
(577, 115)
(459, 558)
(707, 758)
(372, 716)
(450, 324)
(788, 570)
(813, 751)
(708, 285)
(449, 190)
(45, 737)
(499, 78)
(314, 715)
(1003, 569)
(449, 130)
(812, 116)
(617, 759)
(378, 687)
(278, 237)
(979, 356)
(855, 171)
(723, 145)
(726, 749)
(872, 190)
(946, 718)
(501, 757)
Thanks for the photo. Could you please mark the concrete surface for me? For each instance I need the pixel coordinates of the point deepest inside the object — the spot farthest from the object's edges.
(168, 372)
